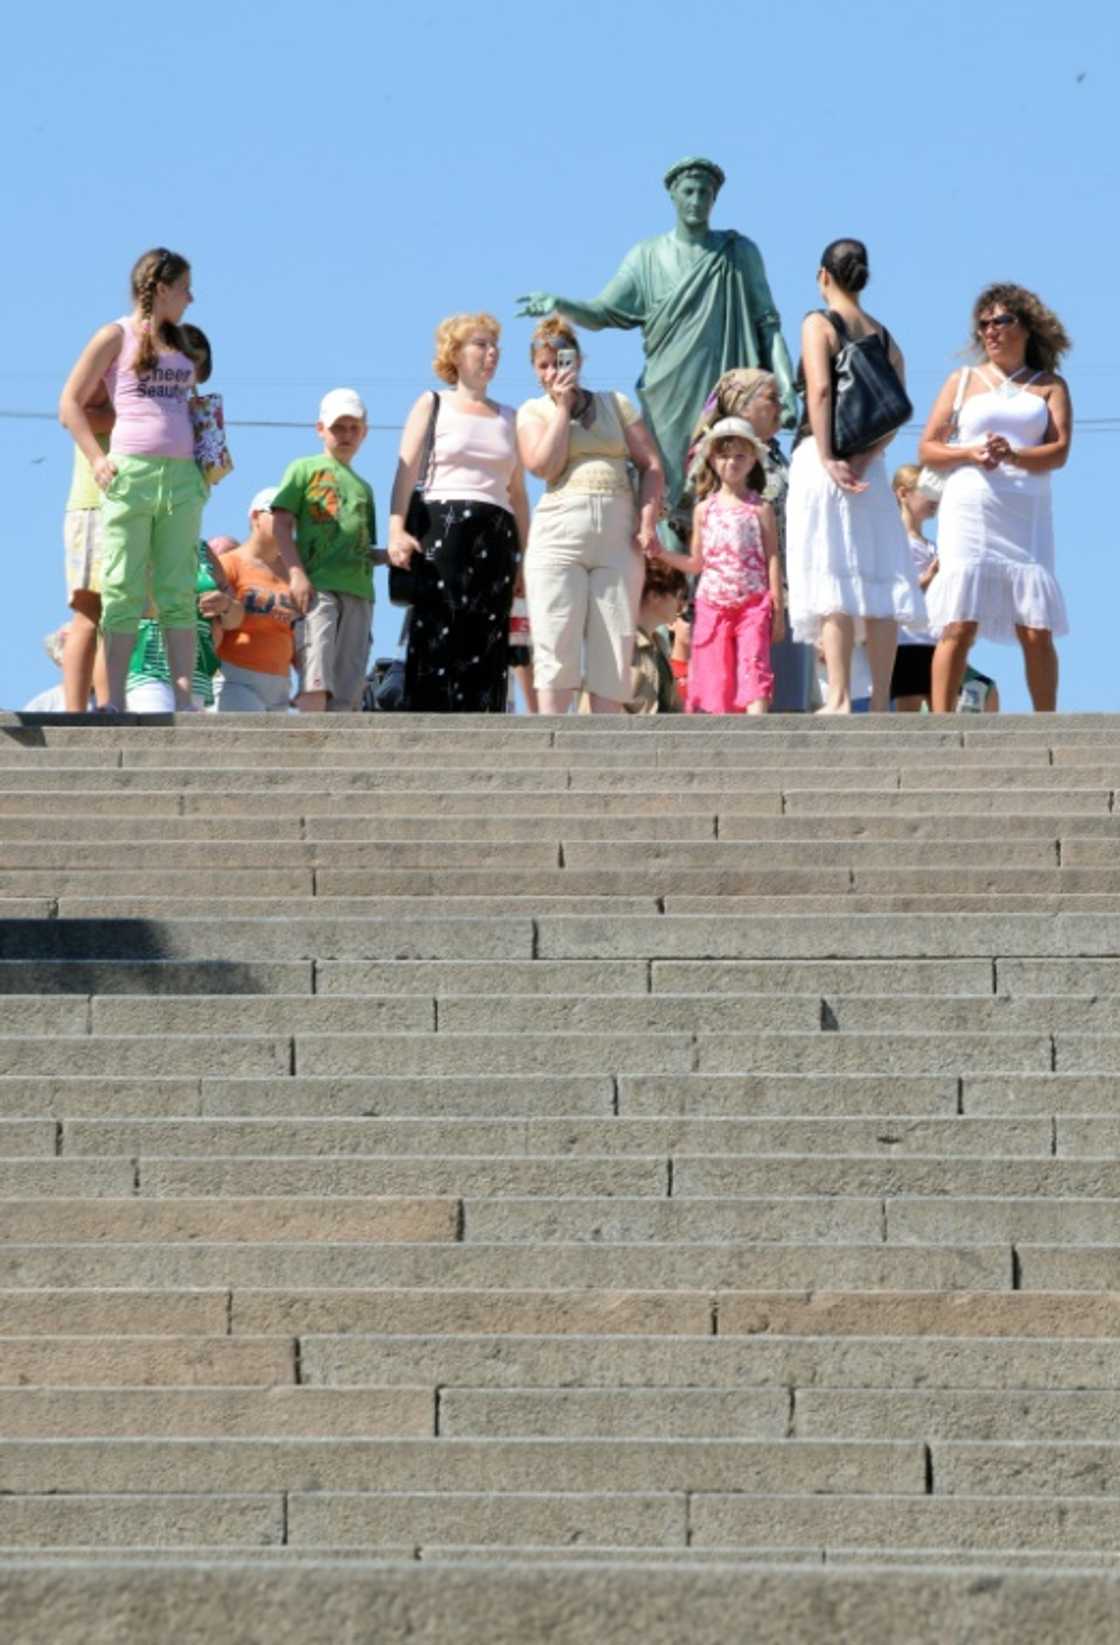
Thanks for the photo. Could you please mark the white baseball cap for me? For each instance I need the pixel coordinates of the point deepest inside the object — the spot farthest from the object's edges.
(263, 501)
(341, 402)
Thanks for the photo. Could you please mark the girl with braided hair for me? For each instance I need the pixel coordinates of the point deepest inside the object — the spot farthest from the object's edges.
(151, 486)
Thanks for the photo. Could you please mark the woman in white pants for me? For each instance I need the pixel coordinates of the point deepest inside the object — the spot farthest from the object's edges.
(585, 561)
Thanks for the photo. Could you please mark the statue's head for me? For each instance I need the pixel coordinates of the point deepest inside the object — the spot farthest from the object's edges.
(693, 185)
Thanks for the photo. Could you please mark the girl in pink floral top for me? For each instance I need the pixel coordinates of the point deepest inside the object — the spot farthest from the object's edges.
(739, 595)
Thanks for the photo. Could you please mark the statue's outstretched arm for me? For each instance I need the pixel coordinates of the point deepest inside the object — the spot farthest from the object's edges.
(621, 303)
(534, 304)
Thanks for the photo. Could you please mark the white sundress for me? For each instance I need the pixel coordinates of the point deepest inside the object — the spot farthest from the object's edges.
(846, 552)
(995, 531)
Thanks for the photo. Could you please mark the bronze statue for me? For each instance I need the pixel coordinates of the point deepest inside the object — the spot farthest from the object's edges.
(702, 300)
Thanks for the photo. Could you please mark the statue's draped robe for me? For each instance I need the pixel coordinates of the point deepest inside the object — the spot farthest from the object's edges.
(702, 311)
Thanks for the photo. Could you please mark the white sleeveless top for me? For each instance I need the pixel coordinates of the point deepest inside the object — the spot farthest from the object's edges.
(1009, 409)
(995, 531)
(474, 458)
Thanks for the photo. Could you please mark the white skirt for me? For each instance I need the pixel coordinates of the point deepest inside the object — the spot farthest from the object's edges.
(846, 551)
(995, 550)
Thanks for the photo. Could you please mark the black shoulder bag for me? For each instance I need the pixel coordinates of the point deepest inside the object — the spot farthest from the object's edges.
(868, 399)
(406, 581)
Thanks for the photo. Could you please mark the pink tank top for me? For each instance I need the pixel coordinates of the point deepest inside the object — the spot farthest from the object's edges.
(474, 458)
(153, 418)
(734, 556)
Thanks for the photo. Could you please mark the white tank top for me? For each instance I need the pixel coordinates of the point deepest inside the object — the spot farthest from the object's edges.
(474, 457)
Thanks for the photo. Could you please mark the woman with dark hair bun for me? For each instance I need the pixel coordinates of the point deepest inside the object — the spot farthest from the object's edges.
(996, 534)
(851, 576)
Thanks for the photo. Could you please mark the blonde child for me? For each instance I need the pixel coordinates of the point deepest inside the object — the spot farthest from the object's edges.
(738, 606)
(913, 661)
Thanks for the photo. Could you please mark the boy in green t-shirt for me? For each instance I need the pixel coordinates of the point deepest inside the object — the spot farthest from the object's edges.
(324, 525)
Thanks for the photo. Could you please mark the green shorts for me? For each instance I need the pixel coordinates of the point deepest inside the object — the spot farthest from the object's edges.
(151, 518)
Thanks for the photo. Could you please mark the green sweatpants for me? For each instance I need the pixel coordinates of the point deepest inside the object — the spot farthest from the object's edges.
(151, 518)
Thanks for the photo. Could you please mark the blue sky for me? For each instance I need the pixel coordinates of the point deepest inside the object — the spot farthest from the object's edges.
(342, 179)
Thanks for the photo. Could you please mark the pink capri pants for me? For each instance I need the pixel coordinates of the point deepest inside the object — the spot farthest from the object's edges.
(730, 666)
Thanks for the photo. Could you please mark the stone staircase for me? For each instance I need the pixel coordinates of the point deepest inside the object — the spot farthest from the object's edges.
(536, 1179)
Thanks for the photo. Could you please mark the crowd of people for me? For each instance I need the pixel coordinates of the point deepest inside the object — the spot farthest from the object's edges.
(599, 597)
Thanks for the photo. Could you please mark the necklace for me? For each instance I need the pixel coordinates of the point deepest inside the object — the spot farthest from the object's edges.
(586, 412)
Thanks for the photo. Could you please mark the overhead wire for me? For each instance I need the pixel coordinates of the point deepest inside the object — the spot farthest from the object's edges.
(1084, 425)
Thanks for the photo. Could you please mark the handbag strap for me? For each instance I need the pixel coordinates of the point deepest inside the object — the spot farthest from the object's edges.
(429, 445)
(838, 324)
(958, 402)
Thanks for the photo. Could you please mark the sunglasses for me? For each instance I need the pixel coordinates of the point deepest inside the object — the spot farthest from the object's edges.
(997, 321)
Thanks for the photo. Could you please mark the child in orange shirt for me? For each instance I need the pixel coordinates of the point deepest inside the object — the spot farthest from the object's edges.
(257, 656)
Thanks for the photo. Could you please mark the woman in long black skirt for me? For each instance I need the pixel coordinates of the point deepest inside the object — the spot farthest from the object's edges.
(466, 561)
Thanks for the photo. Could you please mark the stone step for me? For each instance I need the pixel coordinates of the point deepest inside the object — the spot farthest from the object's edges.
(452, 938)
(216, 744)
(661, 1593)
(233, 1413)
(138, 1521)
(720, 1178)
(860, 936)
(891, 1136)
(894, 1364)
(302, 1217)
(1084, 864)
(1052, 1267)
(775, 1267)
(730, 1096)
(445, 1467)
(937, 1219)
(154, 909)
(48, 1312)
(771, 889)
(414, 734)
(140, 1362)
(810, 1413)
(883, 813)
(148, 977)
(577, 751)
(733, 1096)
(580, 1592)
(818, 786)
(899, 1522)
(558, 1012)
(70, 861)
(131, 820)
(416, 1177)
(21, 722)
(146, 1096)
(220, 977)
(682, 1052)
(550, 1312)
(747, 877)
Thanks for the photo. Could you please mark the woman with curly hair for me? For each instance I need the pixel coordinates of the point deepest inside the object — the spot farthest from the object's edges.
(996, 536)
(476, 520)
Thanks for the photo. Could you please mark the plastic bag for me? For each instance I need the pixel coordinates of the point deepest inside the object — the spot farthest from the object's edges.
(211, 452)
